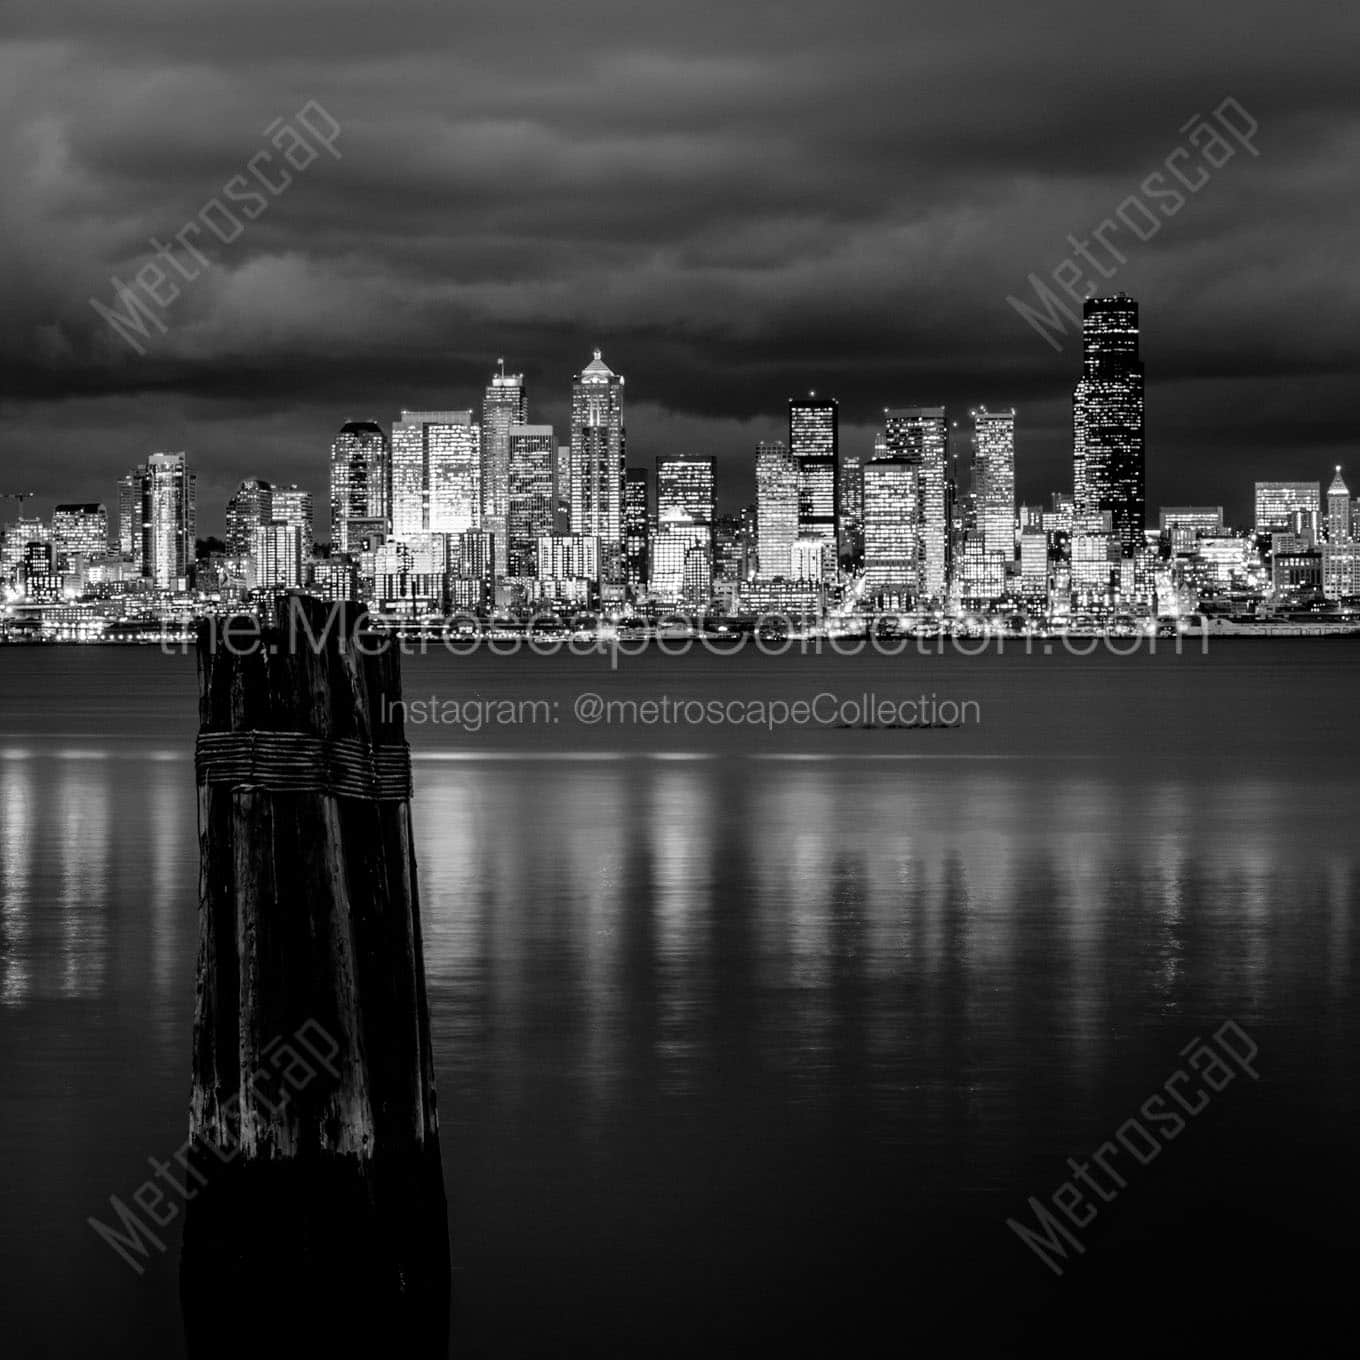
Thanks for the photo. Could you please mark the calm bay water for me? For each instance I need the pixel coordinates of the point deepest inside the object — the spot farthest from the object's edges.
(747, 1039)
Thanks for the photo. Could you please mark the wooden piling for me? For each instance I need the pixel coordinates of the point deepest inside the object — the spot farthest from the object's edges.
(321, 1221)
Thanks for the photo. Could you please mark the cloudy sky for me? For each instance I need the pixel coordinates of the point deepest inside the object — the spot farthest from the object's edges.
(737, 202)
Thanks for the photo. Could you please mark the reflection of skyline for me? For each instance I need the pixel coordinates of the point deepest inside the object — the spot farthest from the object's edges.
(98, 875)
(827, 926)
(664, 927)
(690, 1014)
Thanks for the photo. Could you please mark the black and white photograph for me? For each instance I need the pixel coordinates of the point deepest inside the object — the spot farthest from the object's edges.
(678, 680)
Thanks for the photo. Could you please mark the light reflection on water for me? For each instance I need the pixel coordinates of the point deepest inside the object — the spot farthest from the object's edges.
(688, 1010)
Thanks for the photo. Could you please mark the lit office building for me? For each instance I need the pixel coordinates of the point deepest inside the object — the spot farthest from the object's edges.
(776, 509)
(686, 486)
(814, 442)
(994, 480)
(38, 574)
(569, 557)
(1296, 573)
(292, 505)
(411, 575)
(531, 497)
(686, 507)
(505, 404)
(248, 507)
(636, 528)
(1107, 418)
(336, 580)
(682, 560)
(359, 481)
(851, 527)
(891, 530)
(169, 520)
(472, 557)
(1338, 510)
(563, 525)
(130, 489)
(1094, 549)
(1057, 519)
(1034, 565)
(1285, 507)
(81, 531)
(276, 554)
(1183, 524)
(812, 558)
(16, 540)
(1341, 570)
(734, 547)
(921, 434)
(436, 473)
(982, 574)
(597, 459)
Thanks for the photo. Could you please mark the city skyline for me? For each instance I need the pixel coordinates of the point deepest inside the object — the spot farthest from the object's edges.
(730, 251)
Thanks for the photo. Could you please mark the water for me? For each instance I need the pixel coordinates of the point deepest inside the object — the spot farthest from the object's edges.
(753, 1040)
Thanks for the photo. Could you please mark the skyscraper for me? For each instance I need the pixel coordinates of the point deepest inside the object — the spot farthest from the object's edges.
(776, 509)
(597, 460)
(247, 509)
(851, 527)
(292, 505)
(505, 404)
(531, 492)
(636, 528)
(686, 510)
(1107, 418)
(79, 530)
(891, 507)
(436, 473)
(1279, 505)
(276, 549)
(921, 435)
(359, 479)
(994, 480)
(169, 519)
(814, 442)
(1338, 510)
(687, 486)
(130, 490)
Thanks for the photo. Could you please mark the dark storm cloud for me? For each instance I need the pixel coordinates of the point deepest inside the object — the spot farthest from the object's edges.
(738, 202)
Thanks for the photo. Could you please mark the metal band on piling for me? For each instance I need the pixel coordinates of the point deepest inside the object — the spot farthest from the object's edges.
(295, 762)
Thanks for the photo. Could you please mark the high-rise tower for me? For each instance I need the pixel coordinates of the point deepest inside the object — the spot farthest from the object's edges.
(994, 480)
(1107, 419)
(504, 405)
(920, 434)
(597, 460)
(169, 519)
(359, 479)
(436, 473)
(814, 442)
(1339, 527)
(776, 509)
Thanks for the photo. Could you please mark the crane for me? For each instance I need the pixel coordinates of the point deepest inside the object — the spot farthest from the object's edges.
(17, 496)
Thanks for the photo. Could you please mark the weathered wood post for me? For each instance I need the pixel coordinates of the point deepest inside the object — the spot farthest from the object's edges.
(322, 1220)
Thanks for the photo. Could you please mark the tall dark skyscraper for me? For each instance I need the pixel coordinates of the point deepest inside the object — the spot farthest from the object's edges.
(814, 442)
(636, 527)
(1107, 419)
(504, 405)
(531, 503)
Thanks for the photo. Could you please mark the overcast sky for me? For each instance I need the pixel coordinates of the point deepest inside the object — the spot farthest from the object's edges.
(737, 202)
